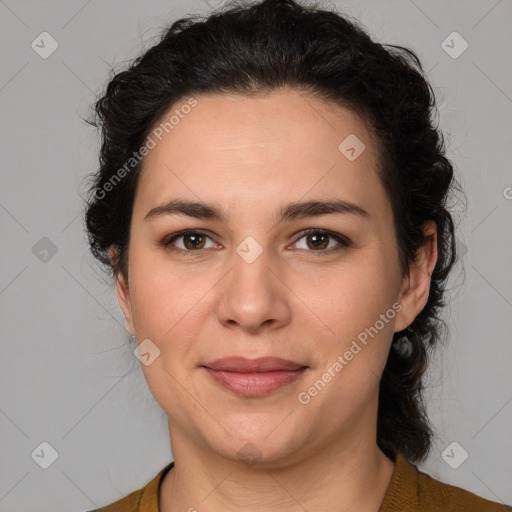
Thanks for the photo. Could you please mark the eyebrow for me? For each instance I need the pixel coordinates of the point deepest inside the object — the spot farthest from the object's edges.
(290, 211)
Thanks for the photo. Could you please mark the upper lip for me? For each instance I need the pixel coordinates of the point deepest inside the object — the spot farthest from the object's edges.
(261, 364)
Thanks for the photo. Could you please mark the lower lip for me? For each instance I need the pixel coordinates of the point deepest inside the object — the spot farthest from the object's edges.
(255, 384)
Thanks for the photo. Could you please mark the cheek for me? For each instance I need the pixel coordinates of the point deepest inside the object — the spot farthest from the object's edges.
(356, 303)
(162, 296)
(350, 298)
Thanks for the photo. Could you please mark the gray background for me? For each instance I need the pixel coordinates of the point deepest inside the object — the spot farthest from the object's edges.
(67, 374)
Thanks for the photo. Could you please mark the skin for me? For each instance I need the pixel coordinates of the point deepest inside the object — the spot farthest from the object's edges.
(251, 156)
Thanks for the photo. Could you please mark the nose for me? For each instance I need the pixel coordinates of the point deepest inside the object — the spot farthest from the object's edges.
(254, 296)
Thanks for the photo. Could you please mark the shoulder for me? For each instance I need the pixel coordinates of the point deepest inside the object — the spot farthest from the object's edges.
(414, 490)
(450, 497)
(144, 499)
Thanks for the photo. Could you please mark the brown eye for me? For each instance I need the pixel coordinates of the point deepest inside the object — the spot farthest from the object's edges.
(319, 240)
(191, 241)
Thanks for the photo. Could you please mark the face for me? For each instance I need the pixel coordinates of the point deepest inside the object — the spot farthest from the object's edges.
(316, 285)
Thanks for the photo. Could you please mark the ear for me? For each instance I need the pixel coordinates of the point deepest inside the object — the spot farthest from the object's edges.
(123, 292)
(416, 284)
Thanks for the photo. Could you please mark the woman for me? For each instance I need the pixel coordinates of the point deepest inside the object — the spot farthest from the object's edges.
(271, 203)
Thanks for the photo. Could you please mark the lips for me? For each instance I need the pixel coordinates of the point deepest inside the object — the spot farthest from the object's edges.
(254, 377)
(262, 364)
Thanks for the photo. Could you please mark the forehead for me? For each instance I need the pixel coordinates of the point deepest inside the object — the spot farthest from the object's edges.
(265, 149)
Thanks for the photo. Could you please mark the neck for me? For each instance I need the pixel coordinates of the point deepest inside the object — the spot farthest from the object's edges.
(337, 478)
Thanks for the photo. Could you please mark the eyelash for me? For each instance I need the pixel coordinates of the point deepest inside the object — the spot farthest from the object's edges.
(341, 239)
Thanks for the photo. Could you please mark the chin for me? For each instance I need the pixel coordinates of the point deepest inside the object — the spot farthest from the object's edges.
(263, 444)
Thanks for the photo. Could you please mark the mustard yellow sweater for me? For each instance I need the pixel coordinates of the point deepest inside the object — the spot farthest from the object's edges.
(410, 490)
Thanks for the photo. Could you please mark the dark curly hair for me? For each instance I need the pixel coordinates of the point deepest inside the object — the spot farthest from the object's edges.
(253, 49)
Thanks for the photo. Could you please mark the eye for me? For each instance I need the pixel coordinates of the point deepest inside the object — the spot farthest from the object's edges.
(318, 240)
(192, 241)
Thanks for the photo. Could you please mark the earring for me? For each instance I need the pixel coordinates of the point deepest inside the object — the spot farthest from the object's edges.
(133, 339)
(403, 345)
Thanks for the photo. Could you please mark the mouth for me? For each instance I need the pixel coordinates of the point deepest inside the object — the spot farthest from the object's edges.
(254, 377)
